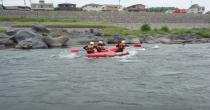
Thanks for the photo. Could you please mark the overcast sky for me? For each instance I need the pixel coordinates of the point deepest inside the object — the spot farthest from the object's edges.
(148, 3)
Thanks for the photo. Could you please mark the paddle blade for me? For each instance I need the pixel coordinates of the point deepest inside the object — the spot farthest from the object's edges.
(75, 51)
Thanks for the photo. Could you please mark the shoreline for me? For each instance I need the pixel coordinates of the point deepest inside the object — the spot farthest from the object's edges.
(31, 34)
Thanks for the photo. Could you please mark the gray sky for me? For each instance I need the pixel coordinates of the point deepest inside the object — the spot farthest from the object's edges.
(148, 3)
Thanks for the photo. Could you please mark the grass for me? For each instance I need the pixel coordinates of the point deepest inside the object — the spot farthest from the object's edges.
(2, 30)
(108, 29)
(19, 19)
(66, 25)
(204, 32)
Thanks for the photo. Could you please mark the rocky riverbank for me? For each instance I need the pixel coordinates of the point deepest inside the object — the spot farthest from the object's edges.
(40, 37)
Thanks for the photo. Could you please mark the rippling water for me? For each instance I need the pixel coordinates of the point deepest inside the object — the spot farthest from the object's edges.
(164, 77)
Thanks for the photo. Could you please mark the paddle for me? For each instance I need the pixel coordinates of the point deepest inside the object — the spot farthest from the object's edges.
(75, 51)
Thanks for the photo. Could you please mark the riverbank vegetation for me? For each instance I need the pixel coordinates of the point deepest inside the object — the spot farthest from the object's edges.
(2, 30)
(108, 28)
(146, 30)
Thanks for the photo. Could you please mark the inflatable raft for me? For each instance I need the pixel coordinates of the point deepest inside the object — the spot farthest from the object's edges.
(109, 53)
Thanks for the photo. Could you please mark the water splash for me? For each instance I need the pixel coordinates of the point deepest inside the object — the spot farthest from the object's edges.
(69, 55)
(156, 47)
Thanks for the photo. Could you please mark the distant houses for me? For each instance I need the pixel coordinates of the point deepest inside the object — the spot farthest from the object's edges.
(42, 6)
(136, 8)
(196, 9)
(17, 8)
(68, 7)
(112, 8)
(99, 7)
(92, 7)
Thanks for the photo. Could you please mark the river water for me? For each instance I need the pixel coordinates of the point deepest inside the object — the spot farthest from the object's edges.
(164, 77)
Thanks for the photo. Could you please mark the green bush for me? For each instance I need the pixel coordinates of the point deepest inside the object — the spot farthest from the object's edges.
(165, 29)
(145, 27)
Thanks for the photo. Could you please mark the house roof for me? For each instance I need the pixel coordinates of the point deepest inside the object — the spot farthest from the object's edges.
(91, 4)
(136, 5)
(195, 6)
(66, 4)
(15, 7)
(42, 4)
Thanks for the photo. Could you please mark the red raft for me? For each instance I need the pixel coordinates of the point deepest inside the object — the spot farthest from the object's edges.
(110, 53)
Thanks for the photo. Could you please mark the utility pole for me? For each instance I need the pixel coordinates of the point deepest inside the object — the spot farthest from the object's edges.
(25, 3)
(30, 2)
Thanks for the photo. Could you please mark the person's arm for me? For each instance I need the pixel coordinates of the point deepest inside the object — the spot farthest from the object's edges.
(85, 47)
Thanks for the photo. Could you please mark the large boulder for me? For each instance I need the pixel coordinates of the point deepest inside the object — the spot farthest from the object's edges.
(23, 36)
(115, 39)
(56, 42)
(25, 44)
(6, 40)
(2, 46)
(59, 32)
(150, 40)
(164, 40)
(40, 28)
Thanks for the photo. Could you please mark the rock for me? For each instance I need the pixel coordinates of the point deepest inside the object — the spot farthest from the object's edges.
(2, 46)
(115, 39)
(40, 28)
(56, 42)
(59, 32)
(150, 40)
(164, 40)
(25, 44)
(29, 36)
(6, 40)
(11, 33)
(132, 40)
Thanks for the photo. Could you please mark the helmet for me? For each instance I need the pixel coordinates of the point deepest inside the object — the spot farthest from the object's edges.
(91, 43)
(123, 41)
(100, 42)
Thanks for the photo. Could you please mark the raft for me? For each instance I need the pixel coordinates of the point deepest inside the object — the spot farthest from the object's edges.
(109, 53)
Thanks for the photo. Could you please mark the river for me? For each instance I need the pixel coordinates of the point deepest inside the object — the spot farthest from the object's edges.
(163, 77)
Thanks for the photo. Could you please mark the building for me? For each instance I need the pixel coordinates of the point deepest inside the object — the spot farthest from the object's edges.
(92, 7)
(42, 6)
(170, 11)
(17, 8)
(180, 11)
(66, 6)
(111, 8)
(196, 9)
(136, 8)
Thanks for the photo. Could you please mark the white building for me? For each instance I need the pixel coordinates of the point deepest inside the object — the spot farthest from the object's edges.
(112, 8)
(92, 7)
(42, 6)
(196, 9)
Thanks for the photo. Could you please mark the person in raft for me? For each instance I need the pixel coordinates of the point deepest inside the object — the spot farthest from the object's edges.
(121, 46)
(100, 46)
(90, 47)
